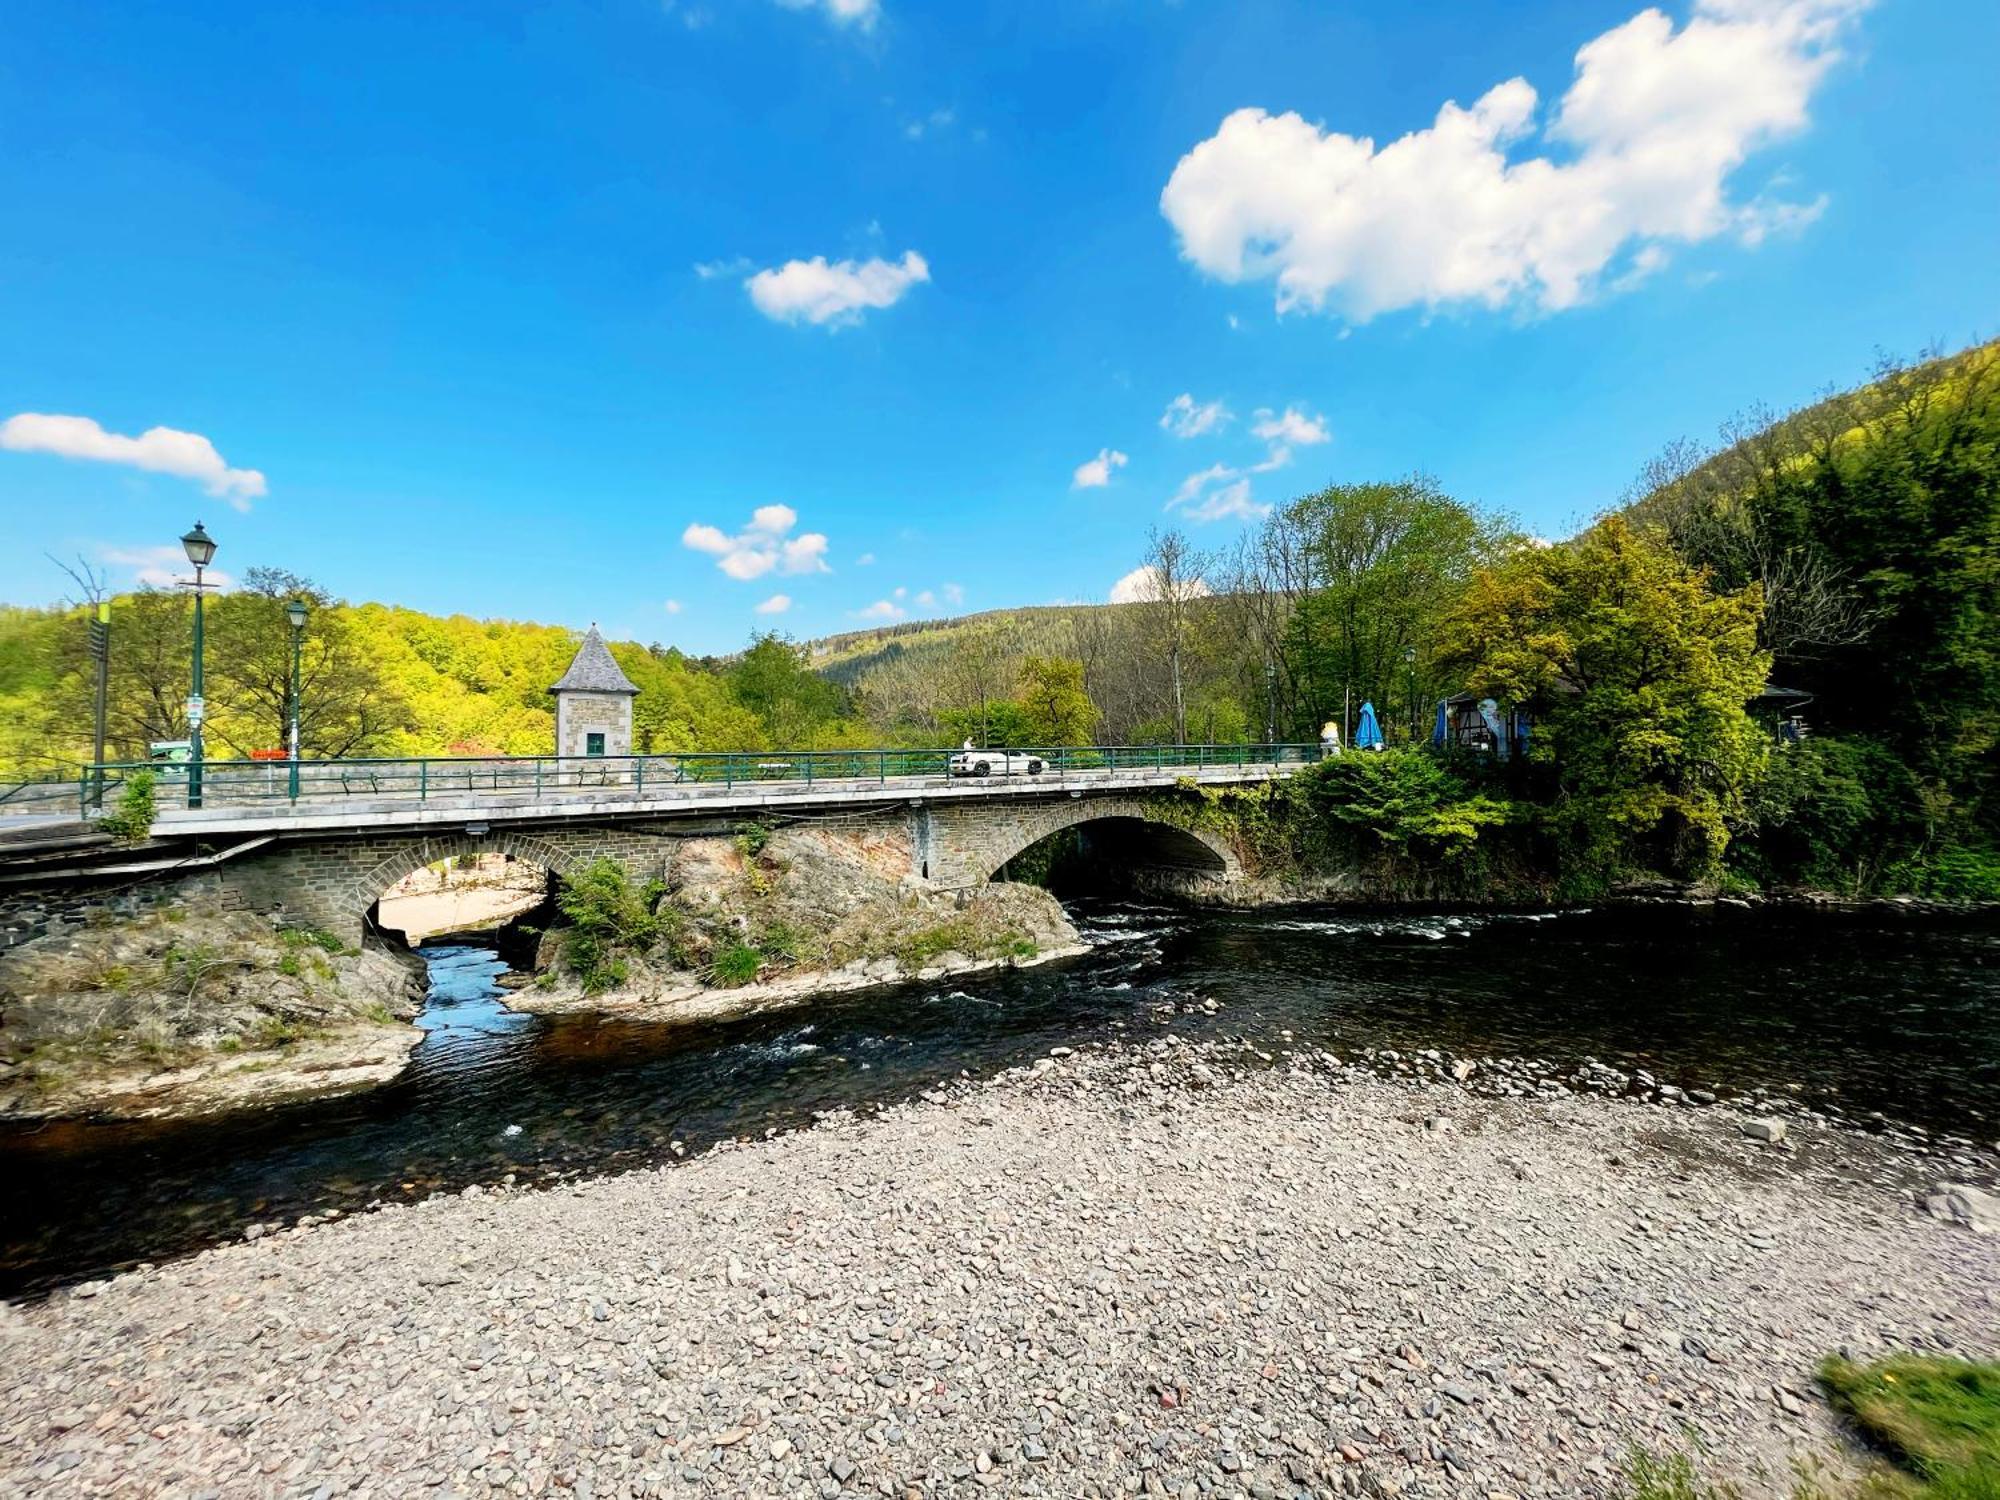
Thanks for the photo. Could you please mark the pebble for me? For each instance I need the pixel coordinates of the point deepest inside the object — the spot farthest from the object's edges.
(1164, 1268)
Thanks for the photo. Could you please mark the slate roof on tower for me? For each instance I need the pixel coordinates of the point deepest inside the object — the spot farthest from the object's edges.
(594, 670)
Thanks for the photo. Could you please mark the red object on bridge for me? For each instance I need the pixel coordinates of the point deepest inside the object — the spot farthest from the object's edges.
(269, 755)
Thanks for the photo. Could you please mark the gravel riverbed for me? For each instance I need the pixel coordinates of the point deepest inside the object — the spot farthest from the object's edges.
(1127, 1270)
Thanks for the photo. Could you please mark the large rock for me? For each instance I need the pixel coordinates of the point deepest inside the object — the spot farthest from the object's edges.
(1956, 1203)
(182, 1011)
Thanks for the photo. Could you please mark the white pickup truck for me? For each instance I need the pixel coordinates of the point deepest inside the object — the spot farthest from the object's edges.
(996, 763)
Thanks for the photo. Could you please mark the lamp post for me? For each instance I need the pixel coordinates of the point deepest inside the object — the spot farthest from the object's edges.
(1271, 703)
(296, 613)
(1410, 661)
(200, 548)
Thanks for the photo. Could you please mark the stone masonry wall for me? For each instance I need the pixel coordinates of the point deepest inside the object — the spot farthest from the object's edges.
(332, 883)
(964, 843)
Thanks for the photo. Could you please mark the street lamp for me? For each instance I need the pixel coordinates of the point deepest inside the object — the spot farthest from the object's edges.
(1271, 705)
(200, 549)
(296, 613)
(1410, 661)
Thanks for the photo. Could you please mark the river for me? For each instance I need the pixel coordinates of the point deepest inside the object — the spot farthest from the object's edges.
(1861, 1013)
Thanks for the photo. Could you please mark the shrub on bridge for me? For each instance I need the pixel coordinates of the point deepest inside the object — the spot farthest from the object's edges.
(132, 820)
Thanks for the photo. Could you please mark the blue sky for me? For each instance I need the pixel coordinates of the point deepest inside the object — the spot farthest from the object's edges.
(566, 311)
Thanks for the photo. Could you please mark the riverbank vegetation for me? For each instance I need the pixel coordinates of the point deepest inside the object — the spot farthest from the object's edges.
(1847, 553)
(769, 905)
(1937, 1421)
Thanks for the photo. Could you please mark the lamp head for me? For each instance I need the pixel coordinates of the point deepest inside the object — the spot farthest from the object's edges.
(296, 613)
(200, 546)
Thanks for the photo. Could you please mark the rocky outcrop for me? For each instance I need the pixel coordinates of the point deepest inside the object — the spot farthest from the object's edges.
(764, 919)
(177, 1012)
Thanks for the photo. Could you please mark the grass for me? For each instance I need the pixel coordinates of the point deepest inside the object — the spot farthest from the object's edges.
(1940, 1418)
(1670, 1476)
(1937, 1419)
(737, 965)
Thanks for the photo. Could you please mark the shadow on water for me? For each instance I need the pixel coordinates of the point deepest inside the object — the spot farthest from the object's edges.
(1900, 1017)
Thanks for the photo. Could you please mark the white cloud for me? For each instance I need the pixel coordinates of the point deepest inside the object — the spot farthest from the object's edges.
(162, 567)
(710, 270)
(881, 609)
(158, 450)
(1291, 427)
(954, 593)
(1185, 417)
(1195, 483)
(860, 14)
(936, 120)
(1638, 153)
(925, 599)
(1221, 493)
(777, 604)
(865, 560)
(1095, 473)
(765, 544)
(1141, 586)
(672, 606)
(834, 295)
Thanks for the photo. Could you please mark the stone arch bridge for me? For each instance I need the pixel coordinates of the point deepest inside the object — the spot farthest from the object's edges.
(327, 868)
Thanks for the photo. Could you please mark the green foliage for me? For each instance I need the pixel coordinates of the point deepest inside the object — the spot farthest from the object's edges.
(132, 819)
(1400, 800)
(775, 681)
(751, 839)
(1940, 1417)
(312, 937)
(959, 935)
(1833, 814)
(608, 922)
(736, 965)
(1055, 709)
(1954, 873)
(1670, 1476)
(1386, 562)
(1872, 519)
(1637, 675)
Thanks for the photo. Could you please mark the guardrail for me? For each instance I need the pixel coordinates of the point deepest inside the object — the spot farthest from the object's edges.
(551, 778)
(54, 794)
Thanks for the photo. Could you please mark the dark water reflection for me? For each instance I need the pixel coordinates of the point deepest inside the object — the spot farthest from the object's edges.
(1900, 1016)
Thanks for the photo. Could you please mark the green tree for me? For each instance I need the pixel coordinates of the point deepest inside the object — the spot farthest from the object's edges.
(775, 681)
(1637, 674)
(1054, 707)
(345, 709)
(1386, 561)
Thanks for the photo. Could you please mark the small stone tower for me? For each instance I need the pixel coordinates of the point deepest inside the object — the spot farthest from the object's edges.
(594, 703)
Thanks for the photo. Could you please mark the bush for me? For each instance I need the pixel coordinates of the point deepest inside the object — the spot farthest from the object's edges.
(133, 818)
(608, 921)
(1401, 801)
(1953, 874)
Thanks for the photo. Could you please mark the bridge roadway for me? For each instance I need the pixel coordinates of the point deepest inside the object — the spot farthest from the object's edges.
(241, 799)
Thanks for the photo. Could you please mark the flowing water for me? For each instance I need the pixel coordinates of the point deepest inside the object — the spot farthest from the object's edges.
(1863, 1013)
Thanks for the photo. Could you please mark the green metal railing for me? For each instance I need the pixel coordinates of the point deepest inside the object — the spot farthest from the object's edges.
(548, 777)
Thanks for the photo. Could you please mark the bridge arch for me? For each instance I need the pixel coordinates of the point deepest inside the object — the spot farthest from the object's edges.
(977, 843)
(375, 879)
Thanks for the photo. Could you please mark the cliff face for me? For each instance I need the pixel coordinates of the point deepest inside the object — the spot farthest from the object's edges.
(183, 1012)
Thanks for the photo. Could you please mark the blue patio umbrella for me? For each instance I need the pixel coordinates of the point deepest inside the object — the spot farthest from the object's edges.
(1441, 731)
(1368, 733)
